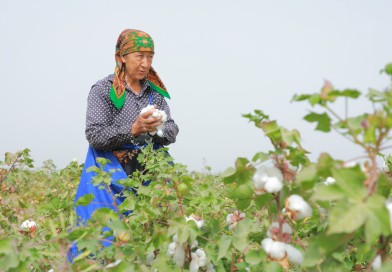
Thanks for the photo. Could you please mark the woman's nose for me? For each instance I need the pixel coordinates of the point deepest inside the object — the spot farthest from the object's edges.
(145, 62)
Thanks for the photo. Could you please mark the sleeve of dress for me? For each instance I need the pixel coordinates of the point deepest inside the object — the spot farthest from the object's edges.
(101, 131)
(170, 128)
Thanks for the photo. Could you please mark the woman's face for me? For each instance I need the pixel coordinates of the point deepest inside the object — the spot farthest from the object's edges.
(137, 64)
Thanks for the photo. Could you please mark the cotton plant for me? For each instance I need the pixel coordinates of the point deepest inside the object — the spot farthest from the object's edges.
(267, 179)
(157, 113)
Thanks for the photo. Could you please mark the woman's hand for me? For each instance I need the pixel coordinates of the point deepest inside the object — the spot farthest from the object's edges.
(145, 123)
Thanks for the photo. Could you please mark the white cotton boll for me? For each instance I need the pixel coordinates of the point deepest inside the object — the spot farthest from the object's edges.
(298, 207)
(28, 225)
(150, 258)
(194, 244)
(199, 222)
(294, 255)
(388, 204)
(114, 264)
(171, 249)
(266, 244)
(273, 185)
(377, 262)
(210, 267)
(157, 113)
(277, 250)
(267, 178)
(160, 127)
(228, 218)
(202, 257)
(194, 265)
(179, 256)
(329, 181)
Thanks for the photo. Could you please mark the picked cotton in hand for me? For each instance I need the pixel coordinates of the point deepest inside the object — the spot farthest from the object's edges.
(157, 113)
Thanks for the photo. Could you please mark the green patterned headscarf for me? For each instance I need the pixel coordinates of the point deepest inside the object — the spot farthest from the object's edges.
(129, 41)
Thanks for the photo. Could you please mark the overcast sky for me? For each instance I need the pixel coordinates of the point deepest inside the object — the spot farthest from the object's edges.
(219, 60)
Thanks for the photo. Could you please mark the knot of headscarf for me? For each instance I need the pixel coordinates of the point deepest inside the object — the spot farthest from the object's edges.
(129, 41)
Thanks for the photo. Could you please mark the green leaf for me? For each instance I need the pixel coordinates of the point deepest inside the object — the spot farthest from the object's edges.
(128, 204)
(323, 121)
(229, 175)
(240, 235)
(388, 69)
(377, 222)
(351, 181)
(321, 246)
(301, 97)
(307, 177)
(84, 200)
(224, 245)
(290, 136)
(255, 257)
(346, 217)
(8, 254)
(260, 157)
(328, 193)
(352, 93)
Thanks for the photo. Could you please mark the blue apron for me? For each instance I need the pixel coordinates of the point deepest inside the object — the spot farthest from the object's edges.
(102, 198)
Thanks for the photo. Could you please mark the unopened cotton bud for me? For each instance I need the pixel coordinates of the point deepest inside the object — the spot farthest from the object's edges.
(179, 256)
(297, 207)
(294, 255)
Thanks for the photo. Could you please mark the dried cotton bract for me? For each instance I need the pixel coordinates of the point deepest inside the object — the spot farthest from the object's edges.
(273, 231)
(233, 218)
(297, 208)
(267, 179)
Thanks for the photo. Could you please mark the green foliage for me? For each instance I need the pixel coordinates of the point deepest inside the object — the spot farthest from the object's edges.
(227, 215)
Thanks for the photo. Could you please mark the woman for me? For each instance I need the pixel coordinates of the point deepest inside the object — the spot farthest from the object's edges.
(115, 129)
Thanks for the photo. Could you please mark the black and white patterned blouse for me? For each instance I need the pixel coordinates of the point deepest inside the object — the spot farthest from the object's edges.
(108, 128)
